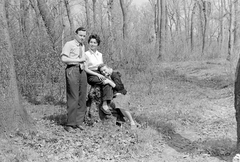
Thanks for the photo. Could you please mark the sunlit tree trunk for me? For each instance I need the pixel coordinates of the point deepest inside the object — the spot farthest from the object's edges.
(12, 116)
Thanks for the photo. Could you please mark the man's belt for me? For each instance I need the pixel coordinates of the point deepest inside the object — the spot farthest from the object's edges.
(77, 65)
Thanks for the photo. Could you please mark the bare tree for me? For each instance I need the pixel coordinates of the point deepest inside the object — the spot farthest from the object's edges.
(237, 103)
(161, 28)
(110, 5)
(70, 17)
(87, 14)
(192, 25)
(94, 15)
(42, 8)
(13, 116)
(125, 7)
(232, 28)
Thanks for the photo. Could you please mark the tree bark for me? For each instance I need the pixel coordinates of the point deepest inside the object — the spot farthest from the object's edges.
(70, 18)
(110, 5)
(162, 26)
(13, 116)
(186, 22)
(124, 6)
(237, 103)
(94, 15)
(220, 33)
(191, 26)
(87, 14)
(41, 8)
(236, 22)
(231, 30)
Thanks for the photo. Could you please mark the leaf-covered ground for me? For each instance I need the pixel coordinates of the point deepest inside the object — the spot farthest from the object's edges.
(185, 110)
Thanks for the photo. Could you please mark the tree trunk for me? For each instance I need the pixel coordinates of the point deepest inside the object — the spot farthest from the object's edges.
(63, 24)
(124, 6)
(41, 8)
(237, 103)
(235, 22)
(94, 15)
(220, 33)
(231, 30)
(24, 18)
(110, 5)
(155, 22)
(191, 26)
(186, 22)
(87, 14)
(162, 26)
(13, 116)
(70, 18)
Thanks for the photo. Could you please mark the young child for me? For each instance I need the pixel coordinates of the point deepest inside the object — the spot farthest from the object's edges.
(120, 97)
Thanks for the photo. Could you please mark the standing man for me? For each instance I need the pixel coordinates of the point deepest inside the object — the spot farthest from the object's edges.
(73, 54)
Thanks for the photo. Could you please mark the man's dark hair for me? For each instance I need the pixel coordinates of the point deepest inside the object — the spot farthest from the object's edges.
(94, 36)
(80, 29)
(100, 66)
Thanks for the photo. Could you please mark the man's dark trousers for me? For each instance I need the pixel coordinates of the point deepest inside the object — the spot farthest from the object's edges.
(76, 84)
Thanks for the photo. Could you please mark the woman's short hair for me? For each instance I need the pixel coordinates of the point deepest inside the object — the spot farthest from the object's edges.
(94, 36)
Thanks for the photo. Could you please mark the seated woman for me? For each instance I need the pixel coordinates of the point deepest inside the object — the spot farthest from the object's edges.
(93, 60)
(119, 97)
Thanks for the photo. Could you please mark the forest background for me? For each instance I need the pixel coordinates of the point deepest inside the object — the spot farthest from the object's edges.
(136, 39)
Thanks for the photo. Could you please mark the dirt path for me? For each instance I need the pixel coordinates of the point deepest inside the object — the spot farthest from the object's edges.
(193, 108)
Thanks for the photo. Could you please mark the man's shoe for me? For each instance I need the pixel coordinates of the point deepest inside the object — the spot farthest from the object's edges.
(107, 112)
(80, 127)
(69, 128)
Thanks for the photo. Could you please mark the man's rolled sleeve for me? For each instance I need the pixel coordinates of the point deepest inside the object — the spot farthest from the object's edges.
(66, 49)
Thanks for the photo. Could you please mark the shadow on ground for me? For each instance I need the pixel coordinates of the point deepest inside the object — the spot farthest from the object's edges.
(222, 149)
(60, 119)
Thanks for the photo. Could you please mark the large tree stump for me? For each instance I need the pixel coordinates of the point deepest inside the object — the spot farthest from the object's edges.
(95, 114)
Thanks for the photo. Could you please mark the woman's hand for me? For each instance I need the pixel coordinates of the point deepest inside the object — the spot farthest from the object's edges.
(110, 82)
(106, 81)
(101, 77)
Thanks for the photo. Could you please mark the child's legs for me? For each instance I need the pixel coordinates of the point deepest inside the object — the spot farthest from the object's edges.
(122, 102)
(128, 115)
